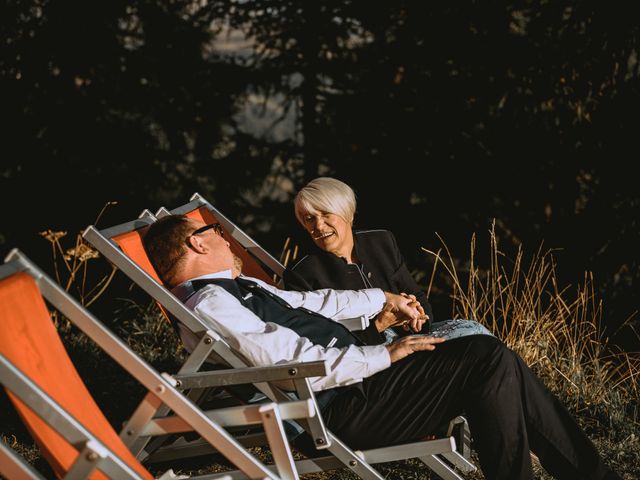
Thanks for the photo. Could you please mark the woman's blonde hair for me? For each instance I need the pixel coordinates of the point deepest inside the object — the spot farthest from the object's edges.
(326, 194)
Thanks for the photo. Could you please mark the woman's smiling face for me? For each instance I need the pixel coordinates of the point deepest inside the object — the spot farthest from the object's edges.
(329, 231)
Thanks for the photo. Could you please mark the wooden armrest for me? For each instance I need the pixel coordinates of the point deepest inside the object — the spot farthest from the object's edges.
(238, 376)
(232, 416)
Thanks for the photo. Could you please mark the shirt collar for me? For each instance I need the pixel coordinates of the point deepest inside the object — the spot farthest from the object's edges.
(222, 274)
(185, 288)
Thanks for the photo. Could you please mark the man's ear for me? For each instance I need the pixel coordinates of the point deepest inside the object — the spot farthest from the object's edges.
(197, 244)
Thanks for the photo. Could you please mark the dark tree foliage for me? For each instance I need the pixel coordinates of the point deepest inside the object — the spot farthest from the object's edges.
(443, 116)
(106, 101)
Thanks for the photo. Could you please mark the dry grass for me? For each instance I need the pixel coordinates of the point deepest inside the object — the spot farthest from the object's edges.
(557, 331)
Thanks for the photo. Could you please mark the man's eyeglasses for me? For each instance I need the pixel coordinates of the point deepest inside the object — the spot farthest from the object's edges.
(215, 226)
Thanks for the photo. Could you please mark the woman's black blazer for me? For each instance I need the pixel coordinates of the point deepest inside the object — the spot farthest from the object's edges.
(381, 266)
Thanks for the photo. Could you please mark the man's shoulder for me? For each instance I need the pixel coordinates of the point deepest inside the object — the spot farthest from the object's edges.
(211, 294)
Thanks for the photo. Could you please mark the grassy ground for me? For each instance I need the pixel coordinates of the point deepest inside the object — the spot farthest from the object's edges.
(556, 330)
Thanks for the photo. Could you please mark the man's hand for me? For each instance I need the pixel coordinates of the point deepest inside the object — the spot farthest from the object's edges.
(405, 346)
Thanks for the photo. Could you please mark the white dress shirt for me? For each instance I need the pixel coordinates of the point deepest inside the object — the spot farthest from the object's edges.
(265, 344)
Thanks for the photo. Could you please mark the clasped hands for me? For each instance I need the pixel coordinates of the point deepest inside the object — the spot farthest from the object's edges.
(405, 310)
(401, 310)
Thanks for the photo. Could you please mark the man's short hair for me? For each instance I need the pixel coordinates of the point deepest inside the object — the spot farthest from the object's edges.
(165, 244)
(326, 194)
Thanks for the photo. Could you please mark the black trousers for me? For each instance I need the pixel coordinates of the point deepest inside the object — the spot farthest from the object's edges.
(508, 408)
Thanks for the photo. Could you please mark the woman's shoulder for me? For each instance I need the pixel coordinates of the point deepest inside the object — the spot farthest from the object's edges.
(313, 271)
(373, 233)
(311, 261)
(374, 236)
(301, 263)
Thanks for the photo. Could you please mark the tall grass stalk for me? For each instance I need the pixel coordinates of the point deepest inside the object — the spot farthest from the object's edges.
(556, 330)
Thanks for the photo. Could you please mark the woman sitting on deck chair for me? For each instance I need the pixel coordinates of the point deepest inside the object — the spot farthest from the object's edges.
(347, 259)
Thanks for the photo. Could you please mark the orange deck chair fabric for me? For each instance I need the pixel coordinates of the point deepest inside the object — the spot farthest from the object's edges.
(250, 266)
(31, 342)
(131, 244)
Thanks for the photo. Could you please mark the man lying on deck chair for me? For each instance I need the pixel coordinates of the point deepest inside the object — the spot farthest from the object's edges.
(376, 395)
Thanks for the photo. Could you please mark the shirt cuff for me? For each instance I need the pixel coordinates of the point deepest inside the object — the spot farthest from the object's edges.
(376, 299)
(378, 359)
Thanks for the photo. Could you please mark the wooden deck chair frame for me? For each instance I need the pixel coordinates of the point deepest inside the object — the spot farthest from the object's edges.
(437, 454)
(210, 345)
(94, 454)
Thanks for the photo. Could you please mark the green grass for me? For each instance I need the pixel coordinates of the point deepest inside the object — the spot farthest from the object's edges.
(557, 330)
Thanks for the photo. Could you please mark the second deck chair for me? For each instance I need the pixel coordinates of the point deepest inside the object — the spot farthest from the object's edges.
(70, 429)
(122, 246)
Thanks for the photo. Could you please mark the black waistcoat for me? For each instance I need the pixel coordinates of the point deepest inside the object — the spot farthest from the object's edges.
(270, 308)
